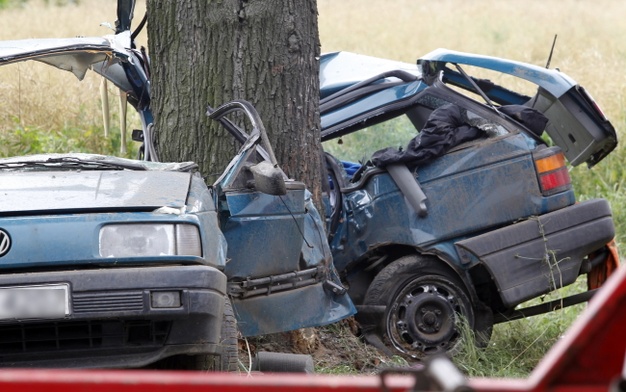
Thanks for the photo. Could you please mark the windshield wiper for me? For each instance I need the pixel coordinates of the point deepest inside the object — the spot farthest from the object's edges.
(73, 163)
(94, 164)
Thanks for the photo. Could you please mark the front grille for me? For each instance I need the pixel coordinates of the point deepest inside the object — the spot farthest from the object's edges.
(69, 335)
(107, 301)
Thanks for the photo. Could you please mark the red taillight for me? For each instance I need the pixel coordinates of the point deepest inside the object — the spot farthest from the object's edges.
(552, 172)
(555, 180)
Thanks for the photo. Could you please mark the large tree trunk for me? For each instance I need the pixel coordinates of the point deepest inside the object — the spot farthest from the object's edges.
(209, 52)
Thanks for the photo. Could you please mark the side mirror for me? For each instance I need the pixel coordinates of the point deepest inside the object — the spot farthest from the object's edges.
(268, 179)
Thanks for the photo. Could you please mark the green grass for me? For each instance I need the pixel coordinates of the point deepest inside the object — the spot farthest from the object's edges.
(359, 146)
(28, 141)
(606, 180)
(517, 346)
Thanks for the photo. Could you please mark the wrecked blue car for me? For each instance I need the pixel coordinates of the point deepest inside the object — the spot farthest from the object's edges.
(113, 262)
(449, 196)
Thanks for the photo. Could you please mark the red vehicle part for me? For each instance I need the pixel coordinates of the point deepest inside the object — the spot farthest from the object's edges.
(589, 358)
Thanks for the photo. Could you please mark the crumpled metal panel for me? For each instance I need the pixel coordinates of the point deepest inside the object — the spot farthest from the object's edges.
(469, 191)
(309, 306)
(264, 235)
(269, 236)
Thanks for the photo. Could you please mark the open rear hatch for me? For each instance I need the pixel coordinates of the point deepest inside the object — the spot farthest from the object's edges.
(576, 123)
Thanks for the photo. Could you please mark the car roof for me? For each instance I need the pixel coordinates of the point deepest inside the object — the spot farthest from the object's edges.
(341, 69)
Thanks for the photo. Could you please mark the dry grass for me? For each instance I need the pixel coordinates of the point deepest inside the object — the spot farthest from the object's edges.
(589, 46)
(33, 95)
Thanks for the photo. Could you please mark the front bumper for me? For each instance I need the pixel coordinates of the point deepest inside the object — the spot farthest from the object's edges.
(543, 253)
(111, 320)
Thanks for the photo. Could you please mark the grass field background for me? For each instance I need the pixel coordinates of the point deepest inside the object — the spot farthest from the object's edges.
(43, 109)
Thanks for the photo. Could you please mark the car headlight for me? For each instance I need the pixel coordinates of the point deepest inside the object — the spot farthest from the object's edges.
(147, 239)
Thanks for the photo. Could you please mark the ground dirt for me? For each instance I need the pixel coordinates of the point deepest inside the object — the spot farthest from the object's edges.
(335, 349)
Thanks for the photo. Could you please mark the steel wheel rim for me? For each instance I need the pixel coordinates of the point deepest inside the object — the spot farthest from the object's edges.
(424, 317)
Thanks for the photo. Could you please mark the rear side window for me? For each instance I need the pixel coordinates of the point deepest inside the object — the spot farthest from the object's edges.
(360, 145)
(397, 132)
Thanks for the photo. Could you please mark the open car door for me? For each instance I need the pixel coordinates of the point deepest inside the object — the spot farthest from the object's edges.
(280, 271)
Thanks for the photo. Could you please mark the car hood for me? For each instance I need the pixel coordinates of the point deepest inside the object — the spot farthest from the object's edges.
(53, 188)
(75, 55)
(109, 56)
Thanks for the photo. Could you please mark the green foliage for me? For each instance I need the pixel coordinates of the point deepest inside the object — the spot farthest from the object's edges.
(10, 3)
(606, 180)
(359, 146)
(27, 141)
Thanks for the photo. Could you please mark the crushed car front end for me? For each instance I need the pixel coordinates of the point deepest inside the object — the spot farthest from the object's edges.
(106, 266)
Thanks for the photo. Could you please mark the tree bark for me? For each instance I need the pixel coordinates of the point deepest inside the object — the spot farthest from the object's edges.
(209, 52)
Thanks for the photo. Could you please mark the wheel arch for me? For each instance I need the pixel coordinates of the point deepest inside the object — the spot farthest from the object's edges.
(410, 304)
(364, 271)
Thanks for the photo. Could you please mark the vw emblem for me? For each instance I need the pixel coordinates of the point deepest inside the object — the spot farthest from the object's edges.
(5, 242)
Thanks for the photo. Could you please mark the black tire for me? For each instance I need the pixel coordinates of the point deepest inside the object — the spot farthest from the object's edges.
(229, 346)
(226, 361)
(426, 306)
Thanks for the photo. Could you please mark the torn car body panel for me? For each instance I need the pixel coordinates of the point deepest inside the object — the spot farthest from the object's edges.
(110, 56)
(75, 55)
(292, 282)
(275, 281)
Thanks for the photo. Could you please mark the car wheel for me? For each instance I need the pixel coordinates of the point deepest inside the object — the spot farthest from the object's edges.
(228, 359)
(426, 307)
